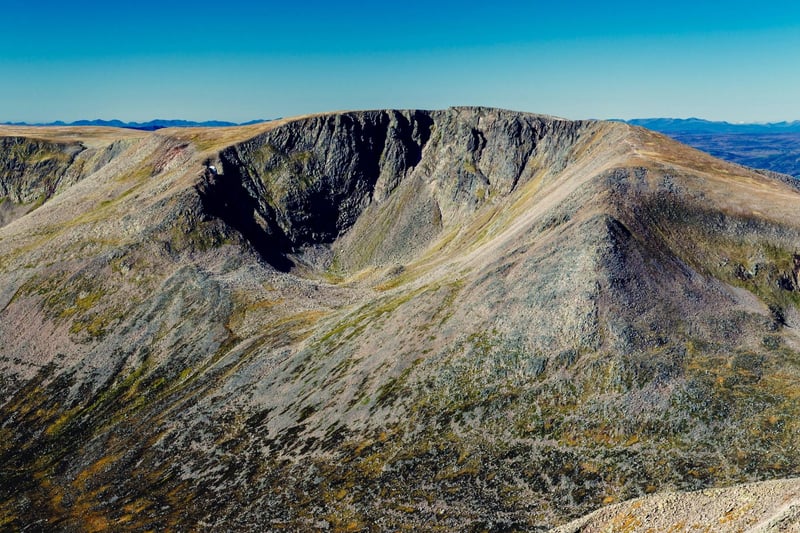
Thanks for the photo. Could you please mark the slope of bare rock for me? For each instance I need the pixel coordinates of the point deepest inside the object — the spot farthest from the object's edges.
(765, 507)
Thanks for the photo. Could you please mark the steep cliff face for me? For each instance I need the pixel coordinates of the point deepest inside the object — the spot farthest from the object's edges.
(392, 319)
(317, 175)
(32, 170)
(392, 179)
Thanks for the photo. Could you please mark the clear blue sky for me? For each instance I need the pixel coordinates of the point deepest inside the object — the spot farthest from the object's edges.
(240, 60)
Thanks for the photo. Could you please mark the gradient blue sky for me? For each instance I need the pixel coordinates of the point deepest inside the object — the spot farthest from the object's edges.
(237, 60)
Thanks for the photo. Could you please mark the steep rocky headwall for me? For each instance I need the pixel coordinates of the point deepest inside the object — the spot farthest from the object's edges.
(309, 182)
(32, 170)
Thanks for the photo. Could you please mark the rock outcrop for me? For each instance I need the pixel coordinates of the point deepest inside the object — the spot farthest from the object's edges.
(766, 507)
(309, 182)
(32, 170)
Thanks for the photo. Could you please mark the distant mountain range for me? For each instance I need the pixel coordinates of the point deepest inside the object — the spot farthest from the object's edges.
(774, 146)
(698, 125)
(152, 125)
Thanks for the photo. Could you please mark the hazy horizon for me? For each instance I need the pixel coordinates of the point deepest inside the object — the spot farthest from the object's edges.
(184, 61)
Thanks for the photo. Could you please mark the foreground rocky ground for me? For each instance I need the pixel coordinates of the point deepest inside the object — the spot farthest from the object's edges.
(768, 506)
(468, 318)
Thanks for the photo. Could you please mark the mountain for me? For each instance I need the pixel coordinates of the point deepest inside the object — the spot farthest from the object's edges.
(779, 152)
(697, 125)
(774, 146)
(459, 319)
(151, 125)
